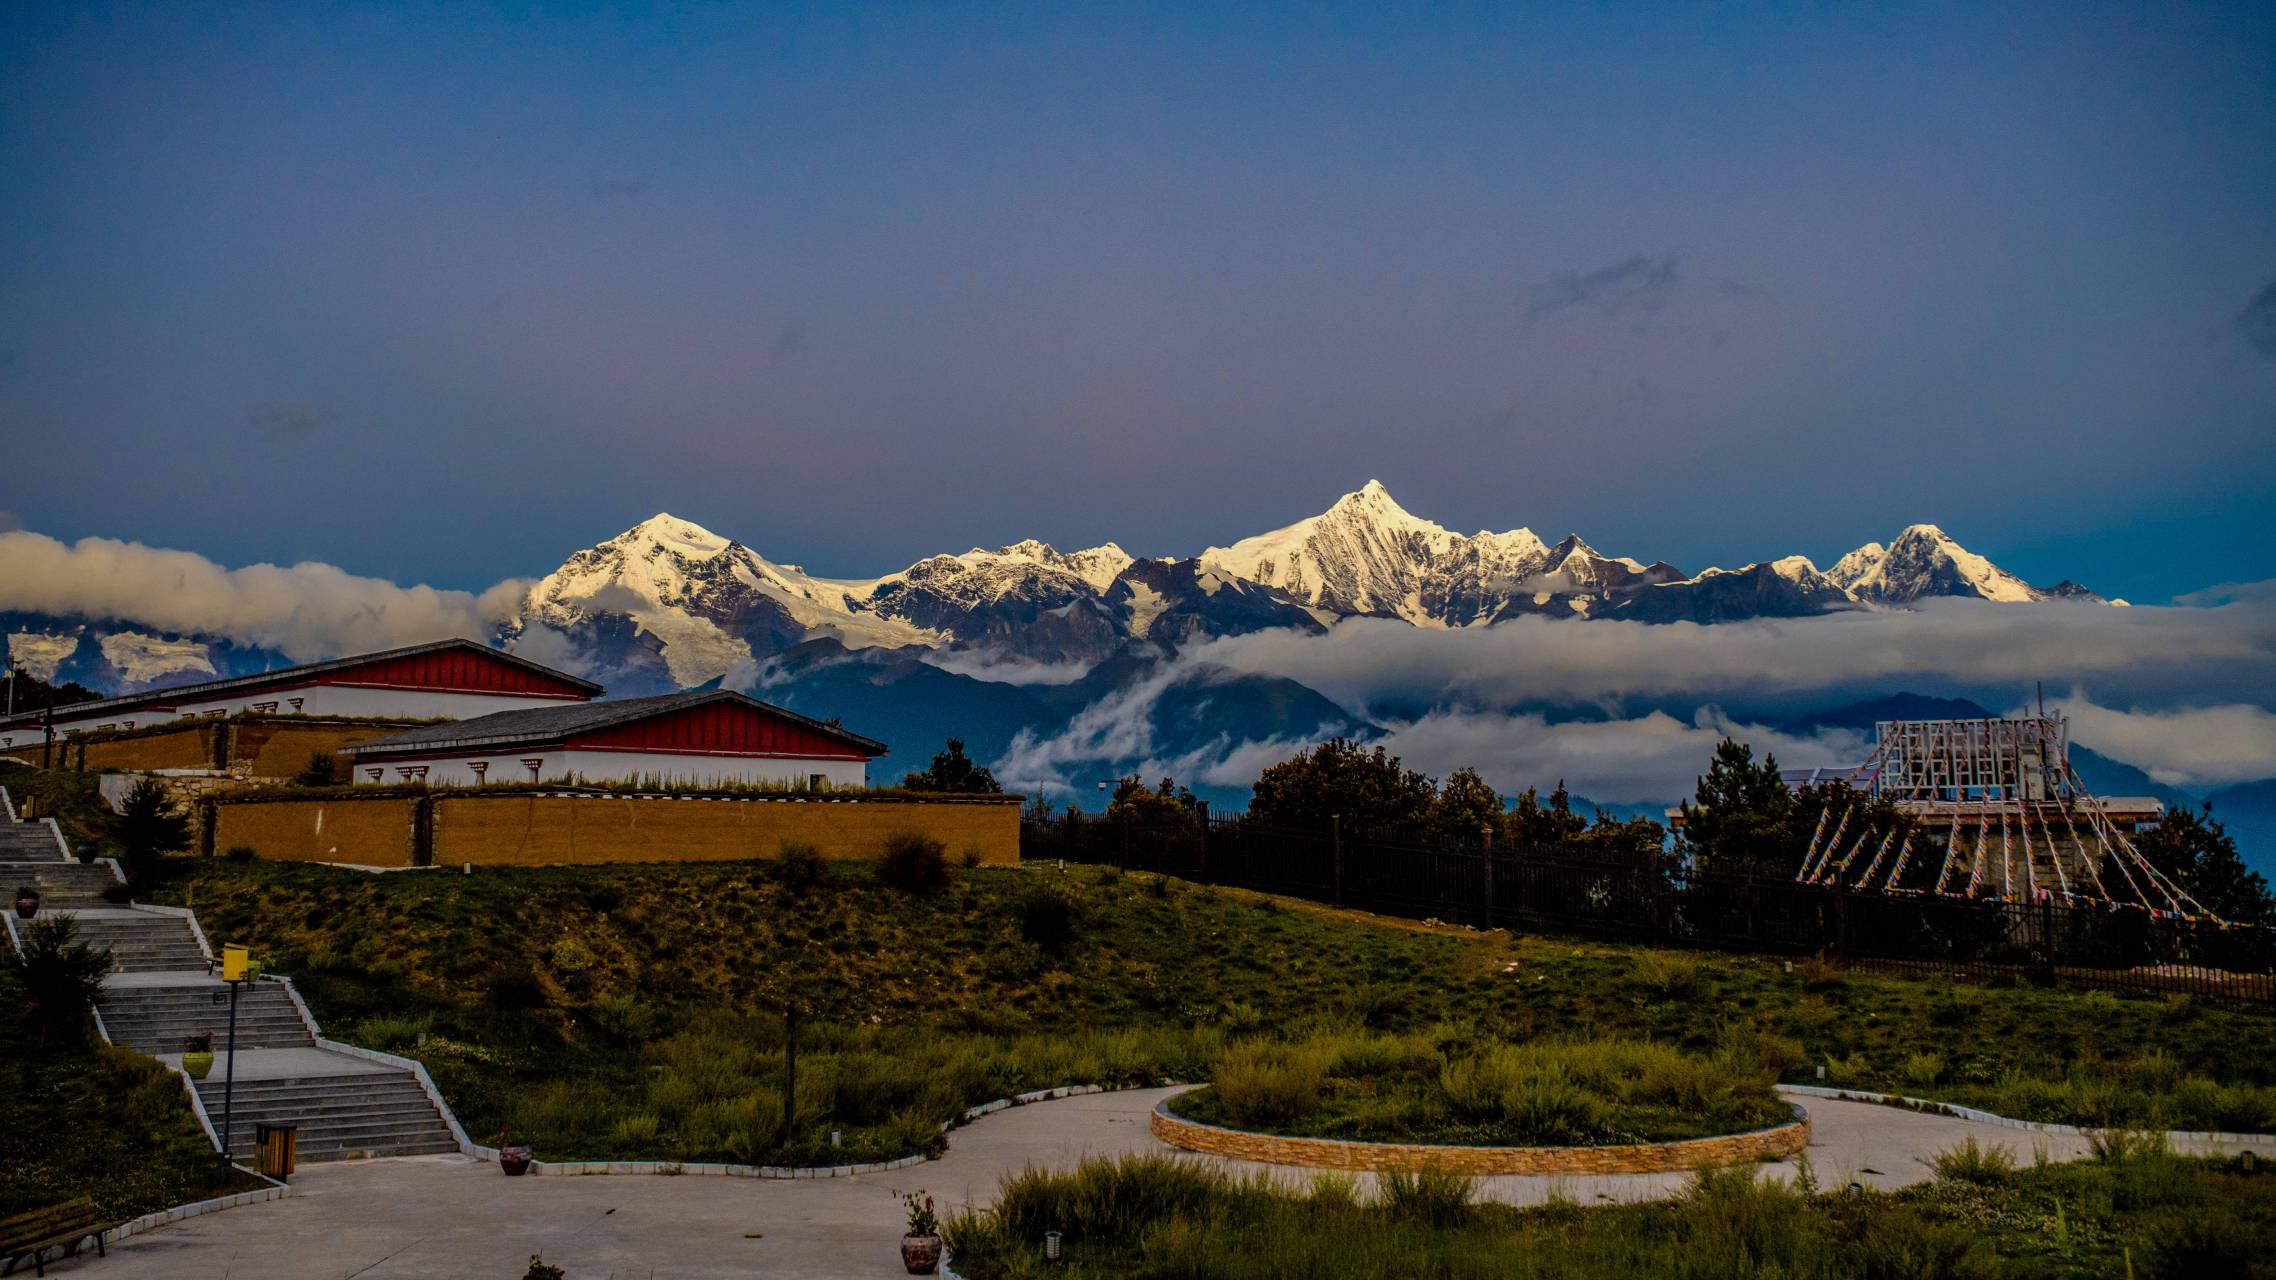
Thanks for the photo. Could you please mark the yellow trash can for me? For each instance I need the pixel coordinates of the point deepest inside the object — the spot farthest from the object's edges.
(275, 1148)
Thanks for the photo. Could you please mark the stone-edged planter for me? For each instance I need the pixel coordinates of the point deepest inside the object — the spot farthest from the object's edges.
(1773, 1143)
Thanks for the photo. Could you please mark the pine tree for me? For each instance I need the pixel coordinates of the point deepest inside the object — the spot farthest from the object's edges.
(952, 770)
(1740, 818)
(2195, 849)
(1367, 791)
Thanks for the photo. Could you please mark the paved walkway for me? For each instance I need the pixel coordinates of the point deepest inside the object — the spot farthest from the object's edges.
(448, 1217)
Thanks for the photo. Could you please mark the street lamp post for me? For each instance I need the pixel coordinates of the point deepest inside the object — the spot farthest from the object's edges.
(236, 970)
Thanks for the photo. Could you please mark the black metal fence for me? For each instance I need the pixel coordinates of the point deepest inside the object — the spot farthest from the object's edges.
(1563, 889)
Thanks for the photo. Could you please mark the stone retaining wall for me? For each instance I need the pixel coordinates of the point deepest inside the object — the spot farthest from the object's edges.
(1328, 1153)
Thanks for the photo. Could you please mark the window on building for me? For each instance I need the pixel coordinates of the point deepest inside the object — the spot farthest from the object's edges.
(816, 781)
(533, 766)
(376, 771)
(264, 708)
(480, 768)
(296, 702)
(411, 772)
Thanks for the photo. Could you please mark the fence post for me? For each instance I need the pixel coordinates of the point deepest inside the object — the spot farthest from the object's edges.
(1840, 916)
(2047, 936)
(1335, 857)
(1486, 863)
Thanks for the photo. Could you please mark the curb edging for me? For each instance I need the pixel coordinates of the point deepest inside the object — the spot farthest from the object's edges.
(2029, 1126)
(676, 1168)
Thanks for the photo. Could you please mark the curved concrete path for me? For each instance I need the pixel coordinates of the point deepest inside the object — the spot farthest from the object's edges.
(447, 1216)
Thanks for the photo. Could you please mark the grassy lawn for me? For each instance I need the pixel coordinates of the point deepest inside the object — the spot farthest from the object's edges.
(1425, 1087)
(634, 1011)
(2142, 1214)
(84, 1119)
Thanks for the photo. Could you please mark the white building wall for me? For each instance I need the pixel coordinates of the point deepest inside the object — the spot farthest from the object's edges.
(614, 766)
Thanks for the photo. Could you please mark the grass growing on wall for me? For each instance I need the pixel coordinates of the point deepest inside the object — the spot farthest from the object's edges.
(635, 1011)
(2143, 1214)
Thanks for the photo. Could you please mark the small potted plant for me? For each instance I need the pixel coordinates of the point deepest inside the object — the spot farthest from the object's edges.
(920, 1249)
(513, 1157)
(27, 901)
(197, 1054)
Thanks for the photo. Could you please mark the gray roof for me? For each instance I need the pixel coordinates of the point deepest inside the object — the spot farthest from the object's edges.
(284, 675)
(540, 725)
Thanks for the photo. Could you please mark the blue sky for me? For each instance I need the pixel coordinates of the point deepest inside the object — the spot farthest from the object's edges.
(441, 293)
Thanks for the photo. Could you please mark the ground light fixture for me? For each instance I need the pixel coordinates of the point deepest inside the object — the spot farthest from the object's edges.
(1050, 1246)
(837, 1137)
(2249, 1162)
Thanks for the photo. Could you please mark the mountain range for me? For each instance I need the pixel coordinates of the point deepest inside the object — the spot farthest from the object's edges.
(669, 604)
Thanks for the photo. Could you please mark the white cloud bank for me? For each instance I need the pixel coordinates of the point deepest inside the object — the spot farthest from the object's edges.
(2185, 747)
(1474, 697)
(1524, 660)
(306, 611)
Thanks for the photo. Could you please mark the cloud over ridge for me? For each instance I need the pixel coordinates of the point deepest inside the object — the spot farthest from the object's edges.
(305, 611)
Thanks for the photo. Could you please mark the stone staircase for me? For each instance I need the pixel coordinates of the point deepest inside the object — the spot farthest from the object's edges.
(155, 1017)
(62, 884)
(162, 988)
(140, 941)
(341, 1115)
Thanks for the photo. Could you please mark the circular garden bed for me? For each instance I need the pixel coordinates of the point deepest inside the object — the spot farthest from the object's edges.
(1393, 1102)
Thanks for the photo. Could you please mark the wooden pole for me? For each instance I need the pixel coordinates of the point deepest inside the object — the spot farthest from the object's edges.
(789, 1073)
(1335, 856)
(1486, 863)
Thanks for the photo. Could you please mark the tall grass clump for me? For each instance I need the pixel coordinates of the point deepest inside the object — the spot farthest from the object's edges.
(1368, 1086)
(799, 865)
(914, 863)
(1433, 1197)
(1969, 1162)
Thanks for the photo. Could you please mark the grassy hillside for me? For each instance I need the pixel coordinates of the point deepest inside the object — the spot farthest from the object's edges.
(637, 1010)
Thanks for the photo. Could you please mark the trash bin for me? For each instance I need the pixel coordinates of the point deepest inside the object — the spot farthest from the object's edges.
(275, 1148)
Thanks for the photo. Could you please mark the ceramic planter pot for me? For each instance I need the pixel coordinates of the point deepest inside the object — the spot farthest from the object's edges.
(514, 1160)
(198, 1063)
(921, 1254)
(27, 906)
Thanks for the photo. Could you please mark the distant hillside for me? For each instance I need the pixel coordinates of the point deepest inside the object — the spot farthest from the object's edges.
(2248, 810)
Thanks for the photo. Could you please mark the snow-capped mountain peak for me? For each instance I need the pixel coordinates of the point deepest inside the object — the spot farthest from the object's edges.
(700, 599)
(1364, 554)
(1925, 561)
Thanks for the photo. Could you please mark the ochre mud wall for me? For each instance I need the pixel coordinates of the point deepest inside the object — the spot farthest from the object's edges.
(369, 833)
(548, 829)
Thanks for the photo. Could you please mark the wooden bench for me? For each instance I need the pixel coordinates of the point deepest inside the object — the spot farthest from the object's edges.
(70, 1224)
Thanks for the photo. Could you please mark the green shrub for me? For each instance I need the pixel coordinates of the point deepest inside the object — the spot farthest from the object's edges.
(241, 853)
(1260, 1084)
(1433, 1197)
(1047, 918)
(62, 976)
(799, 865)
(1667, 975)
(914, 863)
(1980, 1165)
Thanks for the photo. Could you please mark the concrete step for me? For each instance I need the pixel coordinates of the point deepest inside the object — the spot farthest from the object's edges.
(336, 1117)
(61, 884)
(169, 1038)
